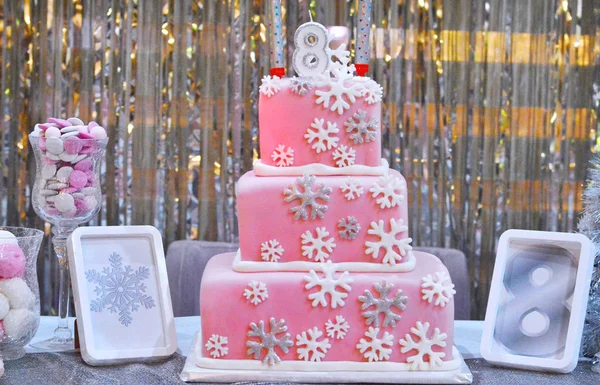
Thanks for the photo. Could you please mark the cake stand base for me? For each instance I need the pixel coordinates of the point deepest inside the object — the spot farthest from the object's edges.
(193, 373)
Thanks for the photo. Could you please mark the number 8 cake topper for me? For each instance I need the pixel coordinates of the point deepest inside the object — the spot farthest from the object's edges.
(310, 56)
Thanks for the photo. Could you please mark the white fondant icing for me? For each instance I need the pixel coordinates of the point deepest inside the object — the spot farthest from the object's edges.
(389, 242)
(271, 251)
(282, 156)
(321, 135)
(344, 156)
(437, 287)
(241, 266)
(270, 85)
(256, 292)
(310, 348)
(376, 349)
(262, 169)
(216, 346)
(372, 91)
(328, 285)
(424, 347)
(317, 247)
(325, 366)
(391, 189)
(351, 189)
(337, 329)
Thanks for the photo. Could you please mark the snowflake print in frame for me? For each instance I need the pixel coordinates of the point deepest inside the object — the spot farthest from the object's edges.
(121, 294)
(120, 289)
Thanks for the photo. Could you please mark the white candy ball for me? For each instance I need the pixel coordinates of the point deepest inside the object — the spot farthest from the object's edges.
(98, 132)
(18, 293)
(4, 306)
(64, 202)
(76, 121)
(48, 171)
(18, 323)
(64, 173)
(54, 146)
(53, 132)
(7, 237)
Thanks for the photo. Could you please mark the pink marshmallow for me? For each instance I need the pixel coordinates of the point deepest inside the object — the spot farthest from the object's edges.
(51, 211)
(12, 261)
(84, 133)
(92, 124)
(78, 179)
(81, 206)
(73, 145)
(90, 175)
(84, 165)
(87, 150)
(61, 122)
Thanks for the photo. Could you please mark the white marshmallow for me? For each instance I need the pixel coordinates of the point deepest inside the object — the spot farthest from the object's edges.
(54, 145)
(66, 157)
(7, 237)
(76, 121)
(53, 132)
(63, 173)
(19, 322)
(64, 203)
(18, 293)
(48, 171)
(51, 156)
(88, 191)
(4, 306)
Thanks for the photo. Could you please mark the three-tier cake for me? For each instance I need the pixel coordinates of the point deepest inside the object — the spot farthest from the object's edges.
(325, 278)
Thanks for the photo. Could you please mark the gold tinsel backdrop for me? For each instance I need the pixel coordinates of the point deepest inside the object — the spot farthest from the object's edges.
(490, 109)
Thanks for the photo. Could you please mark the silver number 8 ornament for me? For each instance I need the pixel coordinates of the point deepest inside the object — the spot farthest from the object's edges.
(310, 56)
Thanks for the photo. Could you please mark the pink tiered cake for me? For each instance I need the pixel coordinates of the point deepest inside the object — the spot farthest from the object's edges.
(325, 278)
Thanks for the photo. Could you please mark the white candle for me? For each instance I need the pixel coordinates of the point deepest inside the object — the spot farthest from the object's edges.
(276, 39)
(363, 37)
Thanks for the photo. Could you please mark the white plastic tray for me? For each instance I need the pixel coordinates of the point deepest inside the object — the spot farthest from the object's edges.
(193, 373)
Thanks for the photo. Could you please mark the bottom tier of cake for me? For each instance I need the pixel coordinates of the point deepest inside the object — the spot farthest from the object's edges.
(327, 320)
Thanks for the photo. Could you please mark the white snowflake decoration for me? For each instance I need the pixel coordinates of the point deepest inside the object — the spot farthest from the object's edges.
(371, 90)
(391, 189)
(351, 189)
(438, 288)
(349, 228)
(344, 156)
(336, 80)
(424, 347)
(120, 288)
(320, 135)
(300, 85)
(256, 292)
(216, 346)
(383, 305)
(271, 251)
(270, 85)
(282, 156)
(375, 349)
(309, 346)
(389, 242)
(317, 247)
(302, 190)
(269, 340)
(362, 130)
(328, 285)
(337, 329)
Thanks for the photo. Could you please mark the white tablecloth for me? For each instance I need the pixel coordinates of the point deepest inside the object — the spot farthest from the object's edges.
(467, 334)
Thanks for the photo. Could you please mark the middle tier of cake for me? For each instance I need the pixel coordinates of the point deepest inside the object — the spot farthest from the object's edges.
(289, 222)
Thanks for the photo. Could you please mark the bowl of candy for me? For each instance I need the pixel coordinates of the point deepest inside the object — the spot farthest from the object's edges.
(19, 292)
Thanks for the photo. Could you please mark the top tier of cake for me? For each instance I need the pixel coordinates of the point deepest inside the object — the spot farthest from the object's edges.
(332, 123)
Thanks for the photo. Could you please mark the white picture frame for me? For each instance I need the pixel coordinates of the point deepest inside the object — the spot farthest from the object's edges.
(119, 323)
(538, 299)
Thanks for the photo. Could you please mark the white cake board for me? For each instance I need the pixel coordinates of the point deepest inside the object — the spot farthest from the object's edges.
(193, 373)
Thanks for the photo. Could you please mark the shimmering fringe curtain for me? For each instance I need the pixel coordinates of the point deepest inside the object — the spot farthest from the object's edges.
(490, 109)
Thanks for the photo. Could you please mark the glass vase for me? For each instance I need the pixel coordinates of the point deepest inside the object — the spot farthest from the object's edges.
(19, 292)
(67, 193)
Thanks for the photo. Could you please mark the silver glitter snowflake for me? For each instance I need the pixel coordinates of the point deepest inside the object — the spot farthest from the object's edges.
(361, 129)
(383, 304)
(349, 228)
(302, 190)
(301, 85)
(269, 340)
(120, 288)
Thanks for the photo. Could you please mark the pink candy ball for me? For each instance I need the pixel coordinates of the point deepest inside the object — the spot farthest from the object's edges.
(73, 145)
(61, 122)
(12, 261)
(84, 165)
(84, 133)
(78, 179)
